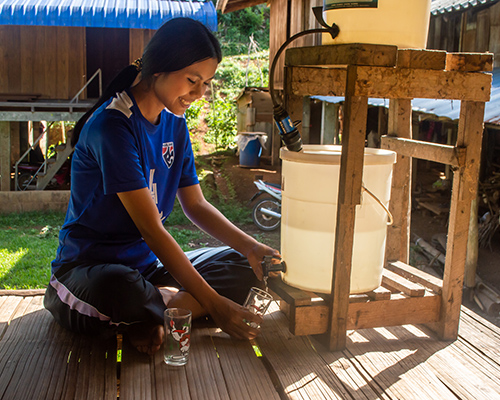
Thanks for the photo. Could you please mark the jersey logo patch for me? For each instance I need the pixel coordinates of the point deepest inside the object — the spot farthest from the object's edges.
(168, 153)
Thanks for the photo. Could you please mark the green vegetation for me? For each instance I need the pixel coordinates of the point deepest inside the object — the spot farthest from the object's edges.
(222, 124)
(236, 72)
(219, 110)
(244, 38)
(235, 29)
(194, 113)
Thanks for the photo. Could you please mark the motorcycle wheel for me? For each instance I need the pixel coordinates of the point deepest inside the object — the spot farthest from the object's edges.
(24, 180)
(263, 221)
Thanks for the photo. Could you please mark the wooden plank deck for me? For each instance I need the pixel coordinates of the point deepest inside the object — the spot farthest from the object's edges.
(40, 360)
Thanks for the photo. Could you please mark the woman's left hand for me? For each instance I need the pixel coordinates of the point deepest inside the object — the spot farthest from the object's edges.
(256, 256)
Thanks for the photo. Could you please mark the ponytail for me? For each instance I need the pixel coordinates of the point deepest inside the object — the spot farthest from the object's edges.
(122, 81)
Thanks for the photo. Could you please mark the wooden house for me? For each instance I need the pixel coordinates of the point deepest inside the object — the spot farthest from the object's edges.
(55, 58)
(455, 26)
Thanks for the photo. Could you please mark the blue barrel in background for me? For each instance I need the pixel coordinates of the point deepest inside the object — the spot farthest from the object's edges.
(251, 151)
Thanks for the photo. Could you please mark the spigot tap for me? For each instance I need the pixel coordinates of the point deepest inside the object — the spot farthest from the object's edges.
(270, 265)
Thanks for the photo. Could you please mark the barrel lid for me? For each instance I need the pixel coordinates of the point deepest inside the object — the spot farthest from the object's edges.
(330, 154)
(252, 133)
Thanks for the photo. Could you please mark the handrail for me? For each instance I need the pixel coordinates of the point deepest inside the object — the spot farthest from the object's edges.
(46, 104)
(97, 73)
(16, 166)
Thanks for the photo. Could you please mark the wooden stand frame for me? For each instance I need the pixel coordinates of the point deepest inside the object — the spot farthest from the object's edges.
(360, 71)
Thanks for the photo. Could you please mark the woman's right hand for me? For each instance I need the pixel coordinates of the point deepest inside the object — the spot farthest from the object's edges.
(230, 317)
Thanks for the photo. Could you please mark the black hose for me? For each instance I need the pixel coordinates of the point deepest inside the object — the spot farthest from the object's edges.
(284, 46)
(288, 130)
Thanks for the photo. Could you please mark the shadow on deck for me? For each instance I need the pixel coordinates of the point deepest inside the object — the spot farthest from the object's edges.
(40, 360)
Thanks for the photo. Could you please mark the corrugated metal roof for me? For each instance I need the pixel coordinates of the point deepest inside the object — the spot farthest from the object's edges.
(443, 108)
(145, 14)
(443, 6)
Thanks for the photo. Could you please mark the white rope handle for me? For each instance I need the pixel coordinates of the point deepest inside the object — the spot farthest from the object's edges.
(391, 219)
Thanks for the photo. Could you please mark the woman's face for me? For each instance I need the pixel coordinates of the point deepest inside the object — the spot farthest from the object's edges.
(177, 90)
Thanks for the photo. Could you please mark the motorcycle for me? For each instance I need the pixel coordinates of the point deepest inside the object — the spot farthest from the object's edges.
(27, 176)
(266, 213)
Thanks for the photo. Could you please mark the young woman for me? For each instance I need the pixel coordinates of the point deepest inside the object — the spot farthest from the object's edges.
(132, 158)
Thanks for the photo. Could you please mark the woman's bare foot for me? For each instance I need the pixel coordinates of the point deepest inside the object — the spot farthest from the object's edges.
(146, 339)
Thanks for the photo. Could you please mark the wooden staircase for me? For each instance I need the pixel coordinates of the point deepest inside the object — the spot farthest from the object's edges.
(63, 151)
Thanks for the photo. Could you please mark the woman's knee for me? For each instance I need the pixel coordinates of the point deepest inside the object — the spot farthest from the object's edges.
(114, 278)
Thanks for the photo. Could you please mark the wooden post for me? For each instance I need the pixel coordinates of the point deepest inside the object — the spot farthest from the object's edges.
(338, 117)
(472, 247)
(470, 131)
(4, 156)
(350, 180)
(328, 123)
(306, 119)
(382, 122)
(398, 234)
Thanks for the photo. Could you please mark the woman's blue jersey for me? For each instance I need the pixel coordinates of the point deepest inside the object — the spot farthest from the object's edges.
(119, 151)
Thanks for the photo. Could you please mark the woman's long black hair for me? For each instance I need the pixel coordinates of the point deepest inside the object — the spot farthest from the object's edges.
(178, 43)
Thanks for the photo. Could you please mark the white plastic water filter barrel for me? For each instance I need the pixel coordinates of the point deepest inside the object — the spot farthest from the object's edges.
(403, 23)
(310, 181)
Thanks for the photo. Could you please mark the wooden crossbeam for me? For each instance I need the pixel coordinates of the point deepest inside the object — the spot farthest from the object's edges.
(22, 292)
(398, 282)
(395, 83)
(400, 309)
(292, 295)
(473, 62)
(421, 59)
(377, 308)
(380, 293)
(415, 275)
(343, 54)
(444, 154)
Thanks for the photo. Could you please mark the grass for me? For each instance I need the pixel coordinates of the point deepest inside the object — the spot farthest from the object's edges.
(28, 243)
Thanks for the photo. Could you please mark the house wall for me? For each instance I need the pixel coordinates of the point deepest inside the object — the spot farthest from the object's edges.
(474, 30)
(50, 61)
(494, 38)
(47, 61)
(34, 200)
(287, 18)
(138, 39)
